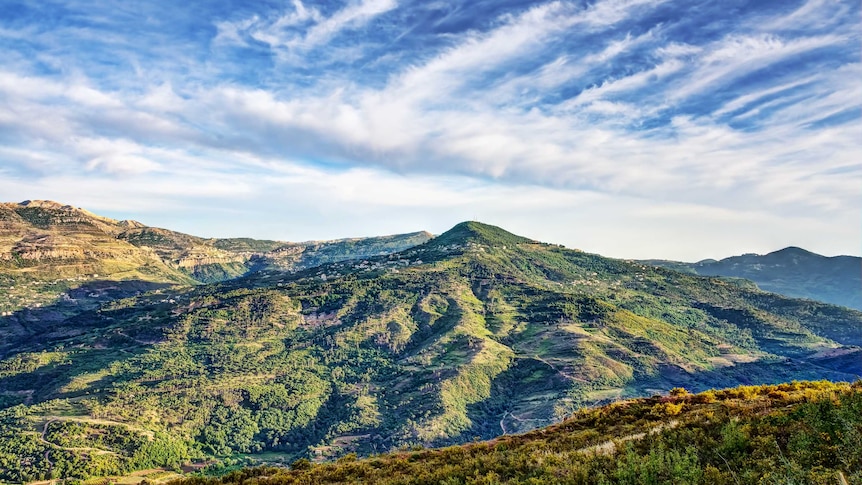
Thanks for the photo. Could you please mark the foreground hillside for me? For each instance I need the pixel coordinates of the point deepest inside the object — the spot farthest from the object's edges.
(476, 333)
(791, 271)
(790, 434)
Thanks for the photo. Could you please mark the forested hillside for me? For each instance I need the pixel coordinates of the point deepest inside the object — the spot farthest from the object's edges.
(474, 334)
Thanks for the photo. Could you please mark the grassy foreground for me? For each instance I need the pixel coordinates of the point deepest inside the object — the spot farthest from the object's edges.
(793, 433)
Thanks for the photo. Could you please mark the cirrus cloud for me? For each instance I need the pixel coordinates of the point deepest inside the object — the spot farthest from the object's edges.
(667, 103)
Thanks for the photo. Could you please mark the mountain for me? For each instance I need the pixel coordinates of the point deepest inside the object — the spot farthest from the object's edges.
(472, 233)
(51, 252)
(791, 271)
(45, 239)
(211, 260)
(48, 250)
(475, 333)
(791, 433)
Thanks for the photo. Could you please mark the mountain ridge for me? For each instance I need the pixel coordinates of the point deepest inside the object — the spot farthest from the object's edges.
(478, 332)
(791, 271)
(46, 240)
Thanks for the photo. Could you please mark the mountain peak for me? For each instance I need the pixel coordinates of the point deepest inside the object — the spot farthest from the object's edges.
(131, 224)
(792, 251)
(44, 204)
(479, 233)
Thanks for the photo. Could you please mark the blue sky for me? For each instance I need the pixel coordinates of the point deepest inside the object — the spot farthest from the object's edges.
(631, 128)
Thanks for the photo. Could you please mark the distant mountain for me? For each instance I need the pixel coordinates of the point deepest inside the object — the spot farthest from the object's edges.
(475, 333)
(211, 260)
(51, 252)
(48, 248)
(791, 271)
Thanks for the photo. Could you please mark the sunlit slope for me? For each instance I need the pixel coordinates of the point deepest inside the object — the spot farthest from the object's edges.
(43, 240)
(791, 433)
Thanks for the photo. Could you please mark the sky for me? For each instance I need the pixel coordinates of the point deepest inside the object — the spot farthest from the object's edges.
(630, 128)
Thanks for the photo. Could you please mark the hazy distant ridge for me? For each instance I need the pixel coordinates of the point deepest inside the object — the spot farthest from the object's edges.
(790, 271)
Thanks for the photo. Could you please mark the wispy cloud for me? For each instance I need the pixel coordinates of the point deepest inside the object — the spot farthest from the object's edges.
(680, 105)
(301, 28)
(737, 56)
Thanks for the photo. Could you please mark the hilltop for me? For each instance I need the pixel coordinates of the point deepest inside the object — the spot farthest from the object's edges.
(45, 239)
(477, 233)
(791, 271)
(475, 333)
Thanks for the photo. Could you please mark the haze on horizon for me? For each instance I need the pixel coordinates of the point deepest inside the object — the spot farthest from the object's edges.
(628, 128)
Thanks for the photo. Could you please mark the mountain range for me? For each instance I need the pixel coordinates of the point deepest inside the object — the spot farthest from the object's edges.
(791, 271)
(48, 249)
(46, 236)
(475, 333)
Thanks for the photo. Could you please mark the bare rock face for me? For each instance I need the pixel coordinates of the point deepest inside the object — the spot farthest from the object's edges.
(35, 247)
(193, 262)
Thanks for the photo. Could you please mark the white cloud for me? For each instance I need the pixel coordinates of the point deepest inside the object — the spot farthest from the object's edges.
(302, 28)
(750, 98)
(609, 12)
(523, 89)
(122, 164)
(350, 17)
(479, 123)
(628, 83)
(232, 32)
(479, 52)
(734, 56)
(676, 49)
(813, 14)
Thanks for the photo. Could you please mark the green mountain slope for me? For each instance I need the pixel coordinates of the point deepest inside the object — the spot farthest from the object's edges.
(792, 272)
(791, 433)
(475, 333)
